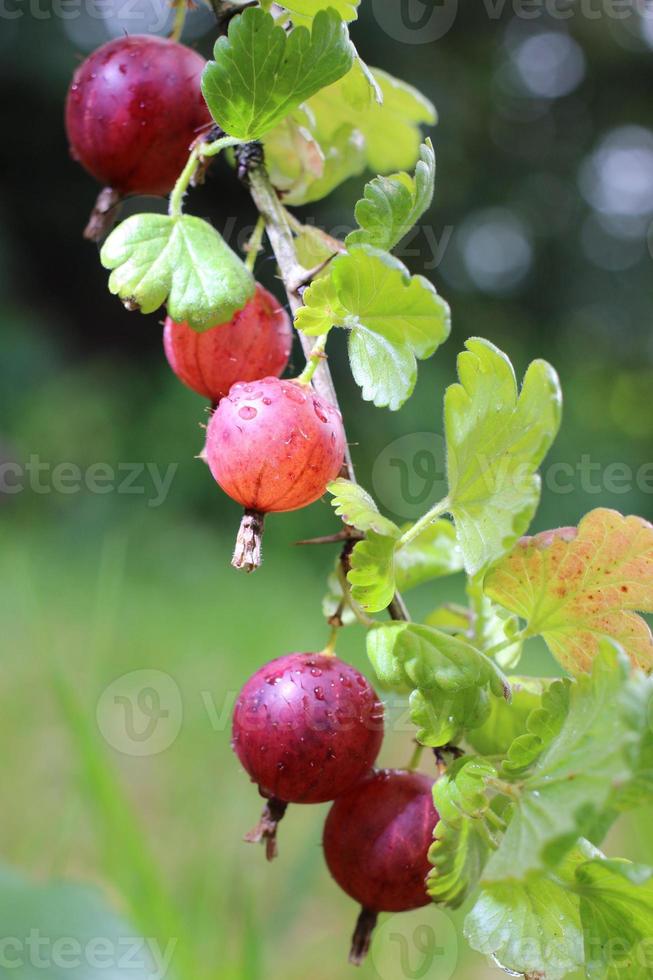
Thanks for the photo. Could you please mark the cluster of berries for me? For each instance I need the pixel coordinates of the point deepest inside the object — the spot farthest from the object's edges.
(307, 727)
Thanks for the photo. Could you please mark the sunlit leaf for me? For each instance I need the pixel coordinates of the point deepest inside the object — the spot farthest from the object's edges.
(393, 205)
(181, 261)
(261, 73)
(496, 440)
(574, 586)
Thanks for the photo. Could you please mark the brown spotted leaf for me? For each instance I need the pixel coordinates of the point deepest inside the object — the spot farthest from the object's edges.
(573, 586)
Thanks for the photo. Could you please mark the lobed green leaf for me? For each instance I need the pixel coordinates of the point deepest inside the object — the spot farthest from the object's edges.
(261, 74)
(179, 260)
(392, 206)
(496, 440)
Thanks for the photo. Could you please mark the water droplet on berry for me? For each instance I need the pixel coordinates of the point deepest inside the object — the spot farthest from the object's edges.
(319, 693)
(247, 412)
(319, 411)
(294, 394)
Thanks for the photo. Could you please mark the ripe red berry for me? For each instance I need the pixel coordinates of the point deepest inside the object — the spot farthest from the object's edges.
(254, 344)
(134, 107)
(376, 842)
(306, 727)
(274, 445)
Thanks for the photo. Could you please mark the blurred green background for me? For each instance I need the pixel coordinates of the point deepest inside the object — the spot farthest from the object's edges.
(540, 239)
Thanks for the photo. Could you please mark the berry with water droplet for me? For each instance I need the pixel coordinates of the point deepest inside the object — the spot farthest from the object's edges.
(376, 841)
(254, 344)
(306, 727)
(134, 107)
(274, 445)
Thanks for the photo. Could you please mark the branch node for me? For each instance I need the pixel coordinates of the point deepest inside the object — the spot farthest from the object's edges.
(248, 553)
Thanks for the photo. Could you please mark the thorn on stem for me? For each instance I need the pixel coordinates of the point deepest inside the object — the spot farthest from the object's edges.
(248, 553)
(266, 829)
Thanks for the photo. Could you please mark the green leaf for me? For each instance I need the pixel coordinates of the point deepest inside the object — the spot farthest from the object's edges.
(372, 576)
(543, 725)
(574, 778)
(357, 508)
(386, 372)
(305, 170)
(531, 927)
(431, 555)
(447, 675)
(573, 586)
(616, 910)
(379, 569)
(393, 205)
(79, 934)
(260, 73)
(495, 631)
(403, 111)
(394, 317)
(463, 837)
(346, 9)
(181, 260)
(442, 717)
(508, 721)
(496, 440)
(322, 308)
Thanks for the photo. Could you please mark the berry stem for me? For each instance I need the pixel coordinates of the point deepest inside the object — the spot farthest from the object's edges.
(360, 943)
(180, 7)
(175, 207)
(200, 151)
(255, 244)
(316, 357)
(416, 757)
(423, 523)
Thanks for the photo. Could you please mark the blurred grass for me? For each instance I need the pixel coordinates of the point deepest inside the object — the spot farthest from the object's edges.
(164, 832)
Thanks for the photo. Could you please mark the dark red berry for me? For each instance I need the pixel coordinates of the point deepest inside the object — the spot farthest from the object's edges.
(306, 727)
(254, 344)
(376, 841)
(274, 445)
(134, 107)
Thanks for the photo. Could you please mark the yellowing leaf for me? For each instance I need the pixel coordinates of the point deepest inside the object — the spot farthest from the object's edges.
(575, 586)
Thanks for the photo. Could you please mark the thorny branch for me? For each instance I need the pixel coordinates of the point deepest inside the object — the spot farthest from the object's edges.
(251, 169)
